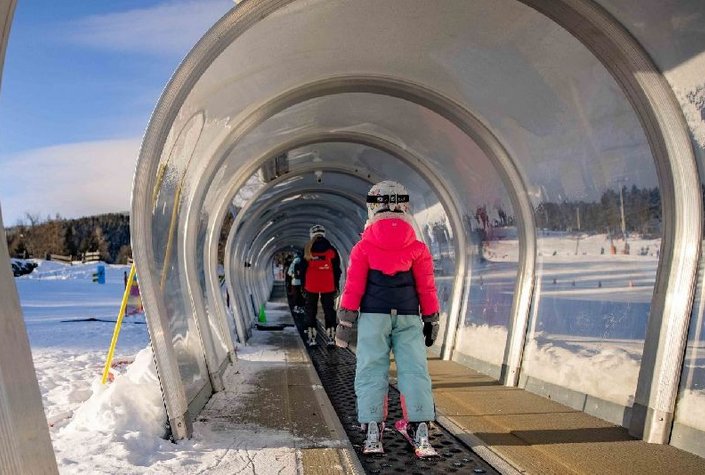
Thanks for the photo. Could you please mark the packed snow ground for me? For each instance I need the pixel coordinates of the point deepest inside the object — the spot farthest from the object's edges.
(118, 428)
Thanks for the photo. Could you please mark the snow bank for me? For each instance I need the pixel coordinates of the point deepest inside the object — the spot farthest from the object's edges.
(484, 342)
(604, 369)
(54, 270)
(132, 403)
(122, 421)
(690, 410)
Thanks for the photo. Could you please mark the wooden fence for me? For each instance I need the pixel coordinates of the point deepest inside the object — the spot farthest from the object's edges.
(91, 256)
(60, 258)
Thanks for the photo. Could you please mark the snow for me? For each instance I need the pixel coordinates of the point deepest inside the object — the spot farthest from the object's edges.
(483, 342)
(118, 428)
(691, 409)
(606, 369)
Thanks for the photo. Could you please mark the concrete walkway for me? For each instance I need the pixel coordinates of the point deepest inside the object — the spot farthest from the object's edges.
(273, 398)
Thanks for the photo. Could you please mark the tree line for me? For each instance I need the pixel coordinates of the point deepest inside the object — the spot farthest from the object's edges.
(108, 234)
(641, 208)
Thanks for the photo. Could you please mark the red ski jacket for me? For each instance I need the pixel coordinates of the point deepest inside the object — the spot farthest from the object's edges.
(389, 245)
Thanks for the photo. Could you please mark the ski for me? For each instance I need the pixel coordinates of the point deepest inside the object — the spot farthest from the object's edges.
(423, 449)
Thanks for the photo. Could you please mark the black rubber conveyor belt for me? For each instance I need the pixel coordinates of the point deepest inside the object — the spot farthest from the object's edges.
(336, 369)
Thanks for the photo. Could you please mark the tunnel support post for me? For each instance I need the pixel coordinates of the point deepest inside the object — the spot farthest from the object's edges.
(234, 268)
(25, 445)
(523, 293)
(667, 133)
(214, 363)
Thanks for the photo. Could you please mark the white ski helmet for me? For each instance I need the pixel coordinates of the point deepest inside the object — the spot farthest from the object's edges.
(387, 196)
(317, 230)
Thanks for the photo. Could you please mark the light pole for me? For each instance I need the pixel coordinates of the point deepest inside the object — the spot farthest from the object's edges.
(621, 208)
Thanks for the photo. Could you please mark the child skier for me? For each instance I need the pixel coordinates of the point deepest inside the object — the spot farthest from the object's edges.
(390, 277)
(321, 276)
(294, 273)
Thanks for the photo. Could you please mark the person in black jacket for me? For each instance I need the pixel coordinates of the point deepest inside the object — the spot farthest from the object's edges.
(321, 276)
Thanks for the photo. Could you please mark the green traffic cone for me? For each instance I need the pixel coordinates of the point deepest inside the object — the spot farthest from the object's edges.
(262, 316)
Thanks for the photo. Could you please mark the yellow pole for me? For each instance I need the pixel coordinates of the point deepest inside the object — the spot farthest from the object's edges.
(118, 323)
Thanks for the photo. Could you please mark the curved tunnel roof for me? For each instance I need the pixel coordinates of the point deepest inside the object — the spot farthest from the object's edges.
(501, 117)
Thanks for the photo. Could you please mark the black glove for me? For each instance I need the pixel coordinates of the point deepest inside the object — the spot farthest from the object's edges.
(343, 332)
(430, 328)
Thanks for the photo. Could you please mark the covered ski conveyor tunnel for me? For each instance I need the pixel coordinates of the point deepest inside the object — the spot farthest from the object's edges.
(554, 152)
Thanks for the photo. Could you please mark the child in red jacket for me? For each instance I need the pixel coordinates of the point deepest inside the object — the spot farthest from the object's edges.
(390, 282)
(321, 271)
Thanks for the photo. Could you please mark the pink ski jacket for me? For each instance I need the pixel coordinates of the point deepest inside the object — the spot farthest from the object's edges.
(389, 245)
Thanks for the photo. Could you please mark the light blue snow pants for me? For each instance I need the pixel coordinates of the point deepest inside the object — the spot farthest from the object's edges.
(377, 334)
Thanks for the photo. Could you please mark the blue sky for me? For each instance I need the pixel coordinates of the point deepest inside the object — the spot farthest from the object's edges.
(80, 80)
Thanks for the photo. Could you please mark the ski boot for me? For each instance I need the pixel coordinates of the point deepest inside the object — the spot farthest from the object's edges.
(373, 442)
(416, 433)
(311, 332)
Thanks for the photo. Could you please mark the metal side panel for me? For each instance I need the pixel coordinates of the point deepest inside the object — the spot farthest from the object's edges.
(25, 446)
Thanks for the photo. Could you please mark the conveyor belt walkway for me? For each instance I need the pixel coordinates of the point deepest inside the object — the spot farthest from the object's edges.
(336, 370)
(514, 430)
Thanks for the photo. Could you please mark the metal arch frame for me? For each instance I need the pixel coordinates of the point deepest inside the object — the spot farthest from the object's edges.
(432, 178)
(242, 329)
(332, 168)
(216, 223)
(257, 206)
(246, 244)
(469, 124)
(255, 236)
(339, 240)
(303, 212)
(215, 363)
(231, 255)
(462, 119)
(668, 135)
(255, 256)
(238, 251)
(665, 129)
(259, 220)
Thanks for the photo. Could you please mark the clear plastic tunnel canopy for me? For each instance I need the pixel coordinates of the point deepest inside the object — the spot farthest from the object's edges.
(525, 159)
